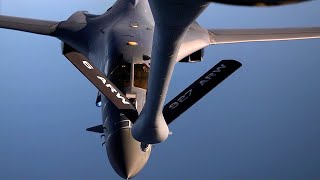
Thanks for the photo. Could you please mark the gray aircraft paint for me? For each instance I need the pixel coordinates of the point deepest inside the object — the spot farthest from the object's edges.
(79, 18)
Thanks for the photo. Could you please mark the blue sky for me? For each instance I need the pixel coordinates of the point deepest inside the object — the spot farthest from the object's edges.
(261, 123)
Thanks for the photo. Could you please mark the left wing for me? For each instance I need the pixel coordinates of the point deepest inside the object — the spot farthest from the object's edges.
(36, 26)
(223, 36)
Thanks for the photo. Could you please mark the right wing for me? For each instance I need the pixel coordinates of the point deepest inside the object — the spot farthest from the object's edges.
(43, 27)
(223, 36)
(197, 38)
(258, 2)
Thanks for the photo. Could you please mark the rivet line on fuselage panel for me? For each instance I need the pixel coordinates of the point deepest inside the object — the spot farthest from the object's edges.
(116, 128)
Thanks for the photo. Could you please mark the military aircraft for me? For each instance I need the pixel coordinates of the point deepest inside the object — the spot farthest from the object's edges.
(129, 54)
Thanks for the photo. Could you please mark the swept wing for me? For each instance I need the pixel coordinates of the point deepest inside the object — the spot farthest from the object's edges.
(83, 64)
(197, 38)
(223, 36)
(36, 26)
(258, 2)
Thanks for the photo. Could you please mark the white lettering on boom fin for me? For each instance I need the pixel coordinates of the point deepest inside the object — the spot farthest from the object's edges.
(212, 74)
(87, 64)
(104, 81)
(123, 99)
(113, 90)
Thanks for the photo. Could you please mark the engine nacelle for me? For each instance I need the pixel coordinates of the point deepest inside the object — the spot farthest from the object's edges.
(194, 57)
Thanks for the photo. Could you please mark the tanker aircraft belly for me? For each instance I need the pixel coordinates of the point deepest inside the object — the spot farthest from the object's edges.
(129, 53)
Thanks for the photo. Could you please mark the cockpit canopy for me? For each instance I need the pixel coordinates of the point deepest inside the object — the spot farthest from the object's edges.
(128, 75)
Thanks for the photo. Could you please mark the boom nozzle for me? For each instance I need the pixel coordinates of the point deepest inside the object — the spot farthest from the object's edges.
(150, 129)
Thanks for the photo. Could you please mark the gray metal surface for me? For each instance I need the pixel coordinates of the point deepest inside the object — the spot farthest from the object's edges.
(137, 32)
(258, 2)
(28, 25)
(223, 36)
(168, 37)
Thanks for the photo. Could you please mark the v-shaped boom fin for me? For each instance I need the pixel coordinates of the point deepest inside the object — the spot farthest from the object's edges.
(199, 89)
(98, 79)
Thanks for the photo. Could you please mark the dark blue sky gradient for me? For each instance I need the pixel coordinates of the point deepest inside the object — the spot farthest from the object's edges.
(261, 123)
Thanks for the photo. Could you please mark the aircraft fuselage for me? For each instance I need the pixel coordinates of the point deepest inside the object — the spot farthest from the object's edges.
(122, 51)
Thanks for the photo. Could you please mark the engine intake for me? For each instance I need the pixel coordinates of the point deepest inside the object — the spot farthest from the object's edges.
(194, 57)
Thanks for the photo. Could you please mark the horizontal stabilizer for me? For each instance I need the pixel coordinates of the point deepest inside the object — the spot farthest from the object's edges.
(98, 79)
(199, 89)
(96, 129)
(28, 25)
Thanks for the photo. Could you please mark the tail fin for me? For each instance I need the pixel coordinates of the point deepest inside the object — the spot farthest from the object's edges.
(42, 27)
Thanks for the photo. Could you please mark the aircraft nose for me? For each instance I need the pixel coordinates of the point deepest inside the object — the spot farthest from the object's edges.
(127, 168)
(125, 154)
